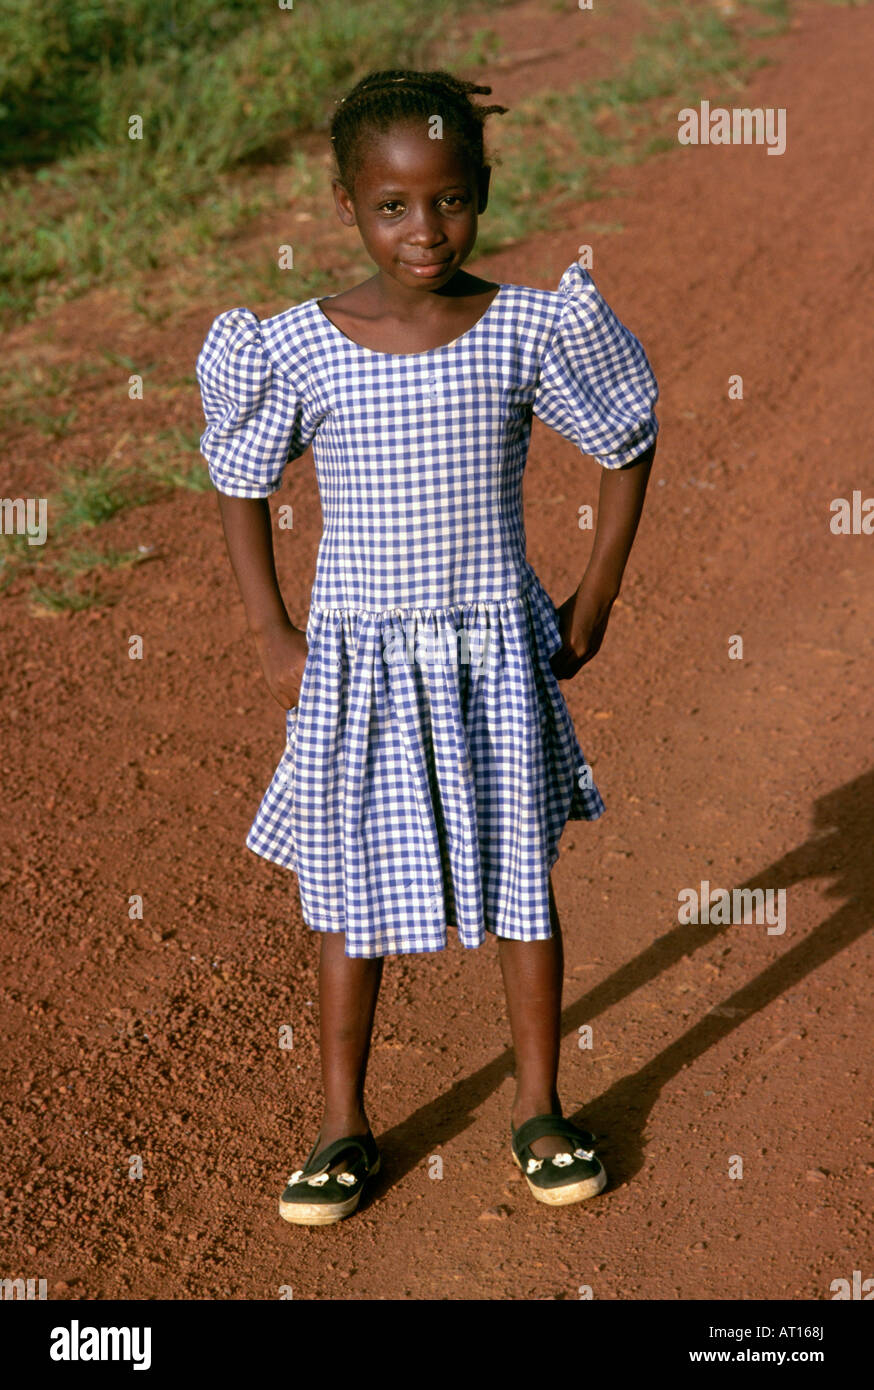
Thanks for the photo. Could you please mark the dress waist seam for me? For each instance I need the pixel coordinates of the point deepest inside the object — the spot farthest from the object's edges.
(420, 609)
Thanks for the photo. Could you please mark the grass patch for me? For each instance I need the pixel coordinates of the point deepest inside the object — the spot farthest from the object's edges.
(25, 382)
(90, 496)
(16, 556)
(563, 141)
(87, 498)
(174, 460)
(74, 563)
(215, 87)
(54, 602)
(223, 89)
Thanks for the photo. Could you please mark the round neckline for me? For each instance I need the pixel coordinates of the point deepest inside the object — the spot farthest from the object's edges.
(374, 352)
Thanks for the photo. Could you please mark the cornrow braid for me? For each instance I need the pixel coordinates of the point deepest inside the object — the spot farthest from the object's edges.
(383, 99)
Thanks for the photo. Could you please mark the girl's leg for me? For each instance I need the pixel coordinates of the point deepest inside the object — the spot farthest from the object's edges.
(348, 991)
(533, 974)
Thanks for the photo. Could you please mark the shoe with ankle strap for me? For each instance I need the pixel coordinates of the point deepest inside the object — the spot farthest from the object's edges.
(567, 1177)
(314, 1196)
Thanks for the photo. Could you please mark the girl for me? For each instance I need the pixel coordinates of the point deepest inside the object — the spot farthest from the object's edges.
(431, 762)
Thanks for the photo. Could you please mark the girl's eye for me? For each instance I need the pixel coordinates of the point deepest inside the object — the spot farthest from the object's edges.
(450, 197)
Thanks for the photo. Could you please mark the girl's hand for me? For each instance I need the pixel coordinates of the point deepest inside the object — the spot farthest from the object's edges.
(283, 650)
(582, 623)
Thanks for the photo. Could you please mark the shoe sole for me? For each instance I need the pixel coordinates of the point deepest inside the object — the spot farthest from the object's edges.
(564, 1196)
(323, 1213)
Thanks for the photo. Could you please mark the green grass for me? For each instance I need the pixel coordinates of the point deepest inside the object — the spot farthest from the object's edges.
(80, 574)
(66, 599)
(223, 89)
(87, 498)
(24, 382)
(235, 88)
(86, 561)
(232, 86)
(174, 461)
(564, 141)
(16, 556)
(52, 426)
(90, 496)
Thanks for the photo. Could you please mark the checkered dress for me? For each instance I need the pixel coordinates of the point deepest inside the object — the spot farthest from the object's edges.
(431, 762)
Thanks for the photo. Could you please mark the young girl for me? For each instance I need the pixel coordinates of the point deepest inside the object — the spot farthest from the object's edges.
(431, 762)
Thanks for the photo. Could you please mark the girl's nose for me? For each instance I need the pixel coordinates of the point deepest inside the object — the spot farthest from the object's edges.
(423, 228)
(425, 239)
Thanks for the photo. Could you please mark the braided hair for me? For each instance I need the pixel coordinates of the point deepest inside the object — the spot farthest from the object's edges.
(383, 99)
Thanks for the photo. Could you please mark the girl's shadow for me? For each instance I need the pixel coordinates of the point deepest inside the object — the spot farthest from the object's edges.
(839, 848)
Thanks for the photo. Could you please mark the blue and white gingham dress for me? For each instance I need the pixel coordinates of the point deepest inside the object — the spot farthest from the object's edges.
(431, 761)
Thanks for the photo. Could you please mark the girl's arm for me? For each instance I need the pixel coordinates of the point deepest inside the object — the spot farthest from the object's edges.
(583, 618)
(282, 648)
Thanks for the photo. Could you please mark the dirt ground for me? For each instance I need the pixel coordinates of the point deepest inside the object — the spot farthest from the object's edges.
(158, 1039)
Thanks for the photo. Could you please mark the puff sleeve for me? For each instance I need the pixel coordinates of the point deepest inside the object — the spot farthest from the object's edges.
(596, 387)
(257, 418)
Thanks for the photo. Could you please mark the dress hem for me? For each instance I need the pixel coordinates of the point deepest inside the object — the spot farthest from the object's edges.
(426, 950)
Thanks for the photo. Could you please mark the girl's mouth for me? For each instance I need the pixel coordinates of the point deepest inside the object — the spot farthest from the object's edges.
(427, 271)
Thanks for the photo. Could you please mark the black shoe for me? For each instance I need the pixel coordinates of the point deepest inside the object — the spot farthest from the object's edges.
(316, 1197)
(568, 1177)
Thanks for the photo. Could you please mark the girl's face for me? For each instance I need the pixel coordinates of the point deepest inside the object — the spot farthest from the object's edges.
(415, 203)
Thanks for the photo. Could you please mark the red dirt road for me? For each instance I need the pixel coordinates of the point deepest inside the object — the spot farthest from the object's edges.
(159, 1038)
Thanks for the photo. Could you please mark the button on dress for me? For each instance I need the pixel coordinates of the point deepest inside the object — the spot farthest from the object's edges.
(431, 761)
